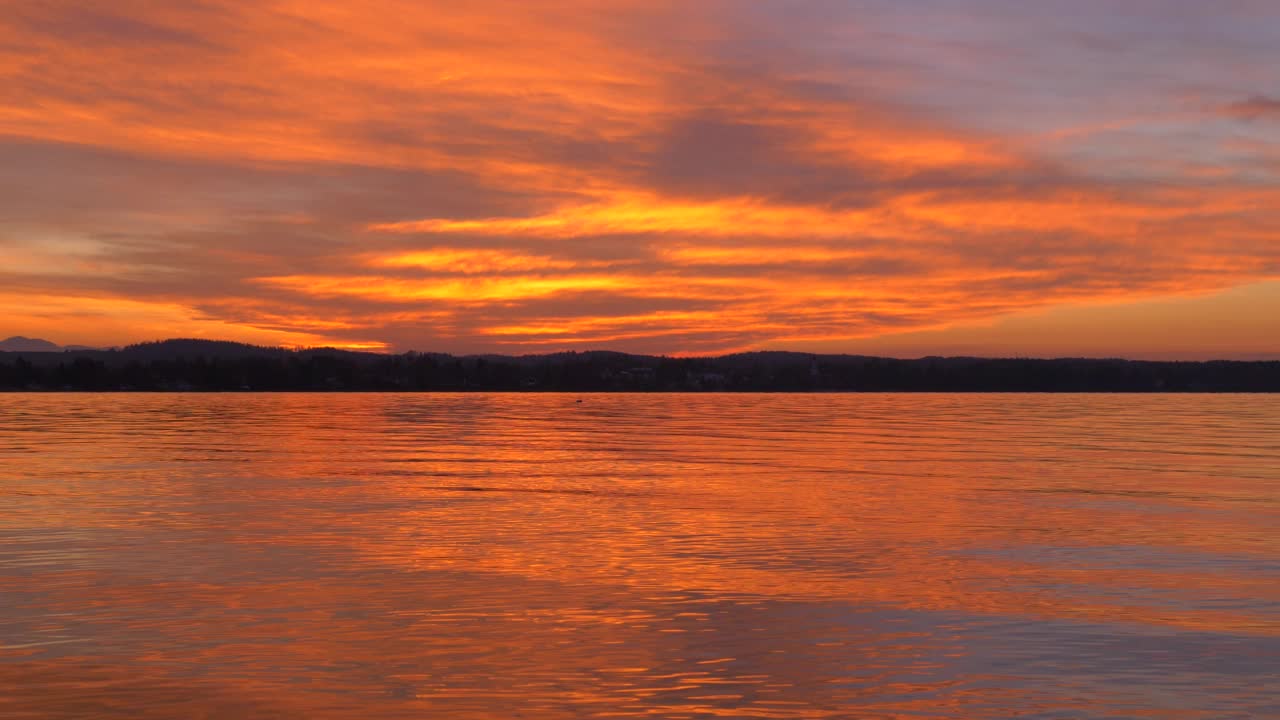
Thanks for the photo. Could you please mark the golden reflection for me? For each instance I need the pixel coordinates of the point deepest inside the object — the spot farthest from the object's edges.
(744, 556)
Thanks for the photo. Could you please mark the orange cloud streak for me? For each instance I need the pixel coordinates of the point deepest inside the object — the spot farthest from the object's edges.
(640, 214)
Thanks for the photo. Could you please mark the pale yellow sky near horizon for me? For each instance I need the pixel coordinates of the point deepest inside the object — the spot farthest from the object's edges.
(1234, 324)
(1240, 323)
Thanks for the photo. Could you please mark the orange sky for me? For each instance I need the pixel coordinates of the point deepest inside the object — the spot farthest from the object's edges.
(1071, 178)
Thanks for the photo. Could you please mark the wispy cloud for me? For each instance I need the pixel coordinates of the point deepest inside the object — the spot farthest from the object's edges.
(1257, 107)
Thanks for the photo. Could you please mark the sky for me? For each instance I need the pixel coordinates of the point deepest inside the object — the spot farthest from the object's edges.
(980, 177)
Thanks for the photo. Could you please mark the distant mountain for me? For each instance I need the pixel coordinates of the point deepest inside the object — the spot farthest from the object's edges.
(18, 343)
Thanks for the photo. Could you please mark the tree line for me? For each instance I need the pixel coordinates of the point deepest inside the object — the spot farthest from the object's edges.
(188, 365)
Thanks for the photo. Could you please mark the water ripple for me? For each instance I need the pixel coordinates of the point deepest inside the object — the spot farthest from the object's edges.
(683, 556)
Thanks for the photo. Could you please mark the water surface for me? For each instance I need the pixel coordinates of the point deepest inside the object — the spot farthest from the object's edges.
(670, 556)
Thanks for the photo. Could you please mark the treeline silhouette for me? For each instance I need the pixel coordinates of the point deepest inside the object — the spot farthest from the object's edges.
(199, 365)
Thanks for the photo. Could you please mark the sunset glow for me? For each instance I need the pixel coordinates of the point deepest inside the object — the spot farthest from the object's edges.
(968, 177)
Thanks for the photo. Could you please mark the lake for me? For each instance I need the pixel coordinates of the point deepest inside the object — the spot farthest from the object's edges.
(659, 556)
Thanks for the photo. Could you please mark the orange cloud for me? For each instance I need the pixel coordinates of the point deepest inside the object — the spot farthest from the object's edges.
(462, 291)
(660, 176)
(638, 214)
(473, 261)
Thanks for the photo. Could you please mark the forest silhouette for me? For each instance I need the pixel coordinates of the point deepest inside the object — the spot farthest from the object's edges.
(201, 365)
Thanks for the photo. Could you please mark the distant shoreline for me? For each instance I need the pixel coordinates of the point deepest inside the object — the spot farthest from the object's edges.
(8, 391)
(212, 366)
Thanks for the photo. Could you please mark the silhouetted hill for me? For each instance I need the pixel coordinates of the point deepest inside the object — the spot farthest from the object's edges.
(190, 347)
(189, 364)
(17, 343)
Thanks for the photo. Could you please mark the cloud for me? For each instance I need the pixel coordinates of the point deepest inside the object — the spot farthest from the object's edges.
(469, 261)
(1257, 107)
(655, 176)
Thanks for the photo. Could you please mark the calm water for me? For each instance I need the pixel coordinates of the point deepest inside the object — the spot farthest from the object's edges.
(669, 556)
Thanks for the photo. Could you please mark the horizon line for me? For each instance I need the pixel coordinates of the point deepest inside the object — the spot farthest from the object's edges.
(390, 352)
